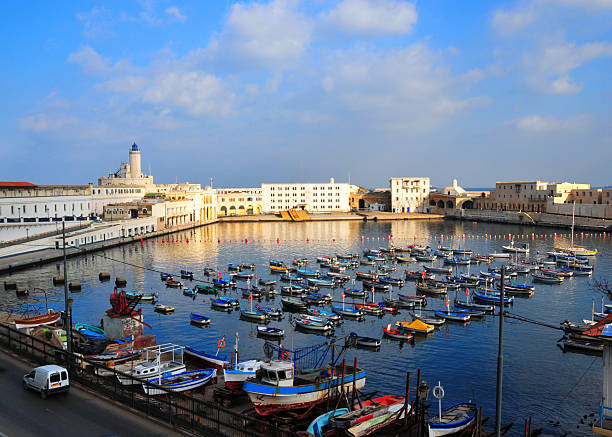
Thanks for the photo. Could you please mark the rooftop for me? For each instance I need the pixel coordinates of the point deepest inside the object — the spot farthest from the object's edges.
(23, 184)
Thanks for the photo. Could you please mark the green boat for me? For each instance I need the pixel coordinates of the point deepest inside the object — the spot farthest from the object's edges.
(206, 289)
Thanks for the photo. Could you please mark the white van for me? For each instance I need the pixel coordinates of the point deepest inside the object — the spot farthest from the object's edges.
(47, 380)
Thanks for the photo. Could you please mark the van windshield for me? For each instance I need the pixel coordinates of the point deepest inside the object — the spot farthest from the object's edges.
(55, 377)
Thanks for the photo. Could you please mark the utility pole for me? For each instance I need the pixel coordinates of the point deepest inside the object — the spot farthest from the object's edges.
(500, 358)
(67, 309)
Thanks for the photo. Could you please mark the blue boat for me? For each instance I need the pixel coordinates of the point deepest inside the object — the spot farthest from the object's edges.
(354, 292)
(391, 280)
(492, 298)
(453, 420)
(452, 316)
(186, 274)
(348, 312)
(234, 267)
(318, 425)
(290, 277)
(270, 311)
(308, 273)
(332, 317)
(189, 292)
(321, 283)
(89, 331)
(199, 319)
(180, 382)
(222, 283)
(165, 276)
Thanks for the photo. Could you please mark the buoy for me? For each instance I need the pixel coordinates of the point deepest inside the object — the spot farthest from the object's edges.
(56, 280)
(120, 282)
(307, 240)
(12, 285)
(246, 240)
(74, 286)
(277, 240)
(187, 240)
(104, 276)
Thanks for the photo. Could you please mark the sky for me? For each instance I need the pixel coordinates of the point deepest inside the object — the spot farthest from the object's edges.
(301, 91)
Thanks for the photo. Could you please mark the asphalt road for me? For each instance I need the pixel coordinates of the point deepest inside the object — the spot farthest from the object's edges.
(77, 413)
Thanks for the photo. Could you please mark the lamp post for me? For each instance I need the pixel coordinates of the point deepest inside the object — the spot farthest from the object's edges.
(422, 394)
(68, 301)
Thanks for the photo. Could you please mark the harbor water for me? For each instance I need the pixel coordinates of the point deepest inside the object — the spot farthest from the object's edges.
(540, 380)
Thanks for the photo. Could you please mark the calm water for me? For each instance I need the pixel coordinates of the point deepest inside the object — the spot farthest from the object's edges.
(539, 379)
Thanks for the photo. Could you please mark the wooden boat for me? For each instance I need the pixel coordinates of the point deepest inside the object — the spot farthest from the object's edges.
(337, 268)
(583, 345)
(377, 286)
(418, 276)
(42, 319)
(206, 289)
(364, 341)
(321, 283)
(199, 319)
(473, 306)
(418, 300)
(454, 420)
(89, 331)
(217, 361)
(185, 274)
(546, 279)
(300, 261)
(474, 314)
(500, 255)
(452, 316)
(337, 277)
(278, 267)
(405, 259)
(163, 309)
(558, 273)
(293, 304)
(457, 261)
(365, 275)
(153, 368)
(151, 297)
(372, 308)
(189, 292)
(518, 289)
(348, 312)
(267, 331)
(173, 284)
(396, 334)
(436, 269)
(270, 311)
(290, 277)
(235, 375)
(327, 315)
(279, 388)
(317, 427)
(183, 381)
(371, 417)
(165, 276)
(511, 248)
(244, 275)
(317, 299)
(415, 327)
(223, 304)
(434, 321)
(353, 292)
(391, 281)
(494, 299)
(258, 316)
(311, 325)
(387, 269)
(308, 273)
(428, 289)
(253, 293)
(426, 258)
(267, 282)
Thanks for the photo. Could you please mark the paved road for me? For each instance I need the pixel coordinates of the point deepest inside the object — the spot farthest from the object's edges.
(77, 413)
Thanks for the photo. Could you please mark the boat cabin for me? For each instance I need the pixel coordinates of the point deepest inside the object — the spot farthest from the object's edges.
(278, 373)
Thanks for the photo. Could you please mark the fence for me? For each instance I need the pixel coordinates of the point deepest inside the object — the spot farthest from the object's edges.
(177, 409)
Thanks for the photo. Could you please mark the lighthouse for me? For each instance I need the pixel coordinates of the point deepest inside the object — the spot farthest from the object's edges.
(135, 171)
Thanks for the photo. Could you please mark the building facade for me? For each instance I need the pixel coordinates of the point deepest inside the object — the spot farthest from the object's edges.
(379, 200)
(239, 201)
(316, 198)
(409, 194)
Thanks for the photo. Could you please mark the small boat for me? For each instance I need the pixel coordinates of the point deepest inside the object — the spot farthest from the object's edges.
(499, 255)
(418, 276)
(317, 299)
(312, 326)
(151, 297)
(163, 309)
(89, 331)
(453, 420)
(290, 277)
(457, 261)
(474, 314)
(353, 292)
(198, 319)
(546, 279)
(267, 331)
(577, 250)
(582, 345)
(270, 311)
(452, 316)
(151, 369)
(372, 308)
(434, 321)
(425, 258)
(317, 426)
(337, 277)
(327, 315)
(364, 341)
(436, 269)
(417, 300)
(247, 266)
(391, 281)
(165, 276)
(278, 267)
(473, 306)
(405, 259)
(186, 274)
(367, 262)
(300, 261)
(259, 316)
(206, 289)
(492, 298)
(337, 268)
(511, 248)
(217, 361)
(415, 327)
(42, 319)
(293, 304)
(253, 293)
(189, 292)
(308, 273)
(370, 417)
(173, 284)
(387, 269)
(321, 283)
(558, 273)
(377, 286)
(233, 267)
(234, 376)
(267, 282)
(180, 382)
(429, 289)
(365, 275)
(224, 304)
(348, 312)
(520, 290)
(245, 276)
(396, 334)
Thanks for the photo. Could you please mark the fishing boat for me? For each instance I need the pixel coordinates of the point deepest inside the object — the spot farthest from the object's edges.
(189, 292)
(198, 319)
(308, 273)
(434, 321)
(499, 255)
(391, 281)
(521, 290)
(367, 262)
(268, 331)
(294, 290)
(223, 283)
(353, 292)
(217, 361)
(371, 416)
(511, 248)
(426, 257)
(327, 315)
(558, 273)
(163, 309)
(405, 259)
(185, 274)
(418, 276)
(348, 312)
(591, 346)
(165, 276)
(320, 283)
(494, 299)
(311, 325)
(300, 261)
(270, 311)
(206, 289)
(453, 420)
(267, 282)
(462, 252)
(153, 366)
(280, 388)
(423, 287)
(457, 261)
(438, 269)
(245, 276)
(372, 308)
(377, 285)
(223, 304)
(415, 327)
(318, 426)
(397, 334)
(39, 320)
(173, 284)
(151, 297)
(278, 267)
(256, 315)
(337, 268)
(452, 316)
(89, 331)
(233, 267)
(474, 314)
(290, 277)
(546, 279)
(253, 293)
(337, 277)
(365, 275)
(293, 304)
(360, 340)
(183, 381)
(473, 306)
(235, 375)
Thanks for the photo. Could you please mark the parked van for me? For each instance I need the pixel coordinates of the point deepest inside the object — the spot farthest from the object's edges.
(47, 380)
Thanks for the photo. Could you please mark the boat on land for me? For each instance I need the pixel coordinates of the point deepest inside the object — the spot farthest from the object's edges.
(369, 417)
(153, 366)
(317, 427)
(42, 319)
(360, 340)
(199, 319)
(268, 331)
(280, 388)
(183, 381)
(235, 375)
(453, 420)
(89, 331)
(217, 361)
(397, 334)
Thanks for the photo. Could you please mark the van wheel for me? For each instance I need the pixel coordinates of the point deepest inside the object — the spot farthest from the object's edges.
(43, 394)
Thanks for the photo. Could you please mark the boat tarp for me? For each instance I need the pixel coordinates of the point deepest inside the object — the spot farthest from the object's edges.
(416, 325)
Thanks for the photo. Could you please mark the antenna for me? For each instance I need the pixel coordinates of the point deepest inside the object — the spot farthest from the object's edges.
(211, 182)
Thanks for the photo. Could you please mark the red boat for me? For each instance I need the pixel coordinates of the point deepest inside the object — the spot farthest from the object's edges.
(396, 333)
(39, 320)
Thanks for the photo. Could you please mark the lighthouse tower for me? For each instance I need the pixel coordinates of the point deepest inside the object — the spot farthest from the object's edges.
(135, 171)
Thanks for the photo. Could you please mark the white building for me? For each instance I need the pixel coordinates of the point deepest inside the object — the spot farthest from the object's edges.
(322, 197)
(409, 194)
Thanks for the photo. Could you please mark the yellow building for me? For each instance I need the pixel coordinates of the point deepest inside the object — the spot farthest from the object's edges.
(239, 201)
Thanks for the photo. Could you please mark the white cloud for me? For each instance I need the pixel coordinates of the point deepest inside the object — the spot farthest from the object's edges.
(196, 92)
(262, 35)
(507, 23)
(43, 122)
(587, 4)
(174, 12)
(124, 84)
(90, 61)
(373, 17)
(539, 124)
(564, 86)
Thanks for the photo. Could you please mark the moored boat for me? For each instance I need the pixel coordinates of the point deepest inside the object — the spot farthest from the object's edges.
(453, 420)
(199, 319)
(397, 334)
(452, 316)
(360, 340)
(268, 331)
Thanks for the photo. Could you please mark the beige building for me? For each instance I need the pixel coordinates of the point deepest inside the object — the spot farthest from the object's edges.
(409, 194)
(239, 201)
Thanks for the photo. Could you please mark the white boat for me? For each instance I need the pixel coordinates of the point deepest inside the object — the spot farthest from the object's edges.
(235, 376)
(511, 248)
(179, 382)
(154, 366)
(499, 255)
(453, 420)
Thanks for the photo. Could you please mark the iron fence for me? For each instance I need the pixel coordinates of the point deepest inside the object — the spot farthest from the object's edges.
(179, 410)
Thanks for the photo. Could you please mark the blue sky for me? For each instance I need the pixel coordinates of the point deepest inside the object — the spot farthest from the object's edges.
(291, 90)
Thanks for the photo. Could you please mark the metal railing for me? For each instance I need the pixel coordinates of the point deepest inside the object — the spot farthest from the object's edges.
(602, 415)
(179, 410)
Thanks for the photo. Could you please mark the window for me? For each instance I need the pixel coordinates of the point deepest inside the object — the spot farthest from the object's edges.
(55, 377)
